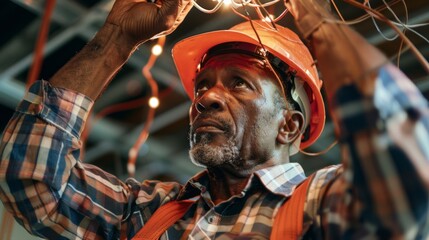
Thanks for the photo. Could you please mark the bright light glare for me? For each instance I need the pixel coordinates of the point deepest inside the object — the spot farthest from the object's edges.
(227, 2)
(268, 18)
(156, 50)
(153, 102)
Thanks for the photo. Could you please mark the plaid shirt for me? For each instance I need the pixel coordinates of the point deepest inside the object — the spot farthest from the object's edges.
(380, 192)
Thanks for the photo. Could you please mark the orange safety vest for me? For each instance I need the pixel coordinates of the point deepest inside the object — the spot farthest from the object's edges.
(287, 223)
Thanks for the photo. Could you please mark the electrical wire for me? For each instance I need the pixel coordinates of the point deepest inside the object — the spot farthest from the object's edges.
(6, 226)
(125, 106)
(364, 17)
(253, 4)
(375, 13)
(337, 10)
(267, 14)
(379, 30)
(401, 45)
(40, 43)
(204, 10)
(394, 14)
(413, 31)
(409, 27)
(311, 154)
(268, 64)
(7, 219)
(381, 17)
(399, 23)
(119, 107)
(133, 152)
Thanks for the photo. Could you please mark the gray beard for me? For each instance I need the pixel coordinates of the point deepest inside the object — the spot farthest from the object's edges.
(204, 154)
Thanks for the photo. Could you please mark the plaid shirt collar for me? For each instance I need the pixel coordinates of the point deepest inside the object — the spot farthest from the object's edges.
(280, 179)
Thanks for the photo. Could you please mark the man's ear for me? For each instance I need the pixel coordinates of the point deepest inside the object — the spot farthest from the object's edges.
(290, 127)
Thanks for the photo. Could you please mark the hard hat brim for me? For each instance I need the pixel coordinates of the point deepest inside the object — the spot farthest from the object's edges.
(187, 53)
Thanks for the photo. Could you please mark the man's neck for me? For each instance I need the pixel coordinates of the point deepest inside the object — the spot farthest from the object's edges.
(228, 181)
(224, 185)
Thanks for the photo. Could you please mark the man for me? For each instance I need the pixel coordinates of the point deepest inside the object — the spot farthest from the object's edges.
(242, 129)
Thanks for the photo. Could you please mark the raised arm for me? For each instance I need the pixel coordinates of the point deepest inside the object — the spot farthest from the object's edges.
(129, 24)
(42, 182)
(382, 122)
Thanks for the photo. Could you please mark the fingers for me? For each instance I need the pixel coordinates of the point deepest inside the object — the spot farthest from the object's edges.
(169, 8)
(309, 14)
(173, 13)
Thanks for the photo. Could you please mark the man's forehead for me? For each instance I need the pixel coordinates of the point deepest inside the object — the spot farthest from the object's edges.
(250, 67)
(234, 60)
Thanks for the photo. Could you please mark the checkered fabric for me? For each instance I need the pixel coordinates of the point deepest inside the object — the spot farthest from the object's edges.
(381, 190)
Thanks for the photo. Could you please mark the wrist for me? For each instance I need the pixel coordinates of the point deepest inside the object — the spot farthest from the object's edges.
(94, 66)
(111, 40)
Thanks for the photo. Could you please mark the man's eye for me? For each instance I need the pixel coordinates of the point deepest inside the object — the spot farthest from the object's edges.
(240, 83)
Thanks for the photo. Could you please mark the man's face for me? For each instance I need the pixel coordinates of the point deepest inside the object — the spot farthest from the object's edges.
(234, 117)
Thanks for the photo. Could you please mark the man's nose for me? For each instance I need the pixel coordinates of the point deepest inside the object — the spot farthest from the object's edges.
(212, 99)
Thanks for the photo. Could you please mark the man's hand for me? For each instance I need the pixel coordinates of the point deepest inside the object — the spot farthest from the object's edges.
(336, 45)
(309, 14)
(129, 23)
(140, 20)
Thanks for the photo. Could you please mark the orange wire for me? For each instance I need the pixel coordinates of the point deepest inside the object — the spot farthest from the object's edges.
(7, 226)
(7, 219)
(133, 153)
(40, 44)
(117, 108)
(129, 105)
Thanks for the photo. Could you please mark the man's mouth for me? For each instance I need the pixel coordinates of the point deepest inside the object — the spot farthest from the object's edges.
(208, 128)
(208, 125)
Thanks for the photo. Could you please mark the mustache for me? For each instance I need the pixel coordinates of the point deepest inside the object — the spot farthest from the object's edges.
(225, 125)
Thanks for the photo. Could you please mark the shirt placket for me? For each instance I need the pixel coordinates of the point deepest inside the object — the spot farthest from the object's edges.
(207, 226)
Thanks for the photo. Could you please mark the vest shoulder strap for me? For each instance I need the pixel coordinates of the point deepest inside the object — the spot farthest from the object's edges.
(162, 219)
(287, 224)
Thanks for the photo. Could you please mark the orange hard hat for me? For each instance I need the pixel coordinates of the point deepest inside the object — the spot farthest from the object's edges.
(281, 43)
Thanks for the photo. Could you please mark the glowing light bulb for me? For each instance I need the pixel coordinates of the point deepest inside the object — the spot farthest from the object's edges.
(153, 102)
(156, 50)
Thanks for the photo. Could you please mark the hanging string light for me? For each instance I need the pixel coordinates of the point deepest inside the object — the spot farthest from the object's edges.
(153, 103)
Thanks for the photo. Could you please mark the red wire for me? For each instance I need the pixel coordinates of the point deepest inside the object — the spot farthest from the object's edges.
(7, 220)
(129, 105)
(40, 44)
(7, 225)
(116, 108)
(133, 153)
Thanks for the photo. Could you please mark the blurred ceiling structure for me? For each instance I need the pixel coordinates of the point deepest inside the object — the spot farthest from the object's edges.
(165, 154)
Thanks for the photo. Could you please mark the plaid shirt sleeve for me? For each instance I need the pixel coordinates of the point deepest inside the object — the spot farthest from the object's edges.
(383, 192)
(43, 183)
